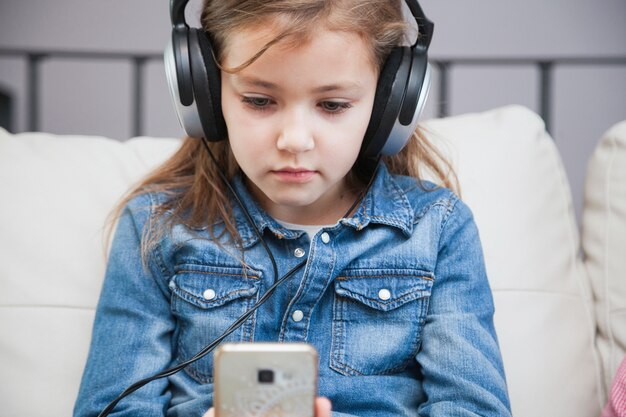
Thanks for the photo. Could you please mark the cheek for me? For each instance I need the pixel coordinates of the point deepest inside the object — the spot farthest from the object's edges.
(247, 136)
(348, 135)
(246, 149)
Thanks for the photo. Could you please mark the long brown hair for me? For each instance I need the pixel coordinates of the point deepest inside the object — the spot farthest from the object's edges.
(189, 179)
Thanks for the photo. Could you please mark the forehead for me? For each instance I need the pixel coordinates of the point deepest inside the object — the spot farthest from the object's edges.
(318, 45)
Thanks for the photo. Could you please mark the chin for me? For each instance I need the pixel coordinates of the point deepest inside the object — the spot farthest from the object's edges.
(294, 203)
(291, 200)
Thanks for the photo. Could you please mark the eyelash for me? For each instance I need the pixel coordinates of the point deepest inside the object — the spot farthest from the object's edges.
(341, 107)
(250, 101)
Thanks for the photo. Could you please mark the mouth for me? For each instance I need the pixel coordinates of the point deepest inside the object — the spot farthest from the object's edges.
(296, 175)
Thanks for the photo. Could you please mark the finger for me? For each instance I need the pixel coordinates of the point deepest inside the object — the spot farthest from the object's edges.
(209, 413)
(322, 407)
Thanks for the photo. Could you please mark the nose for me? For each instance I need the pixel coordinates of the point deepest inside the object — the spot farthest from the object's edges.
(295, 135)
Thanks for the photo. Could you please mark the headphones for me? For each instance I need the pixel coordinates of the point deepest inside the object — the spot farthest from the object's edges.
(195, 86)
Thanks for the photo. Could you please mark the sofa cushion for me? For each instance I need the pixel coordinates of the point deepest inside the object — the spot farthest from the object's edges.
(513, 180)
(604, 243)
(56, 194)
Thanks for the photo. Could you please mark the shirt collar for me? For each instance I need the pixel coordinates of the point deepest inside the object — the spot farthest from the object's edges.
(385, 203)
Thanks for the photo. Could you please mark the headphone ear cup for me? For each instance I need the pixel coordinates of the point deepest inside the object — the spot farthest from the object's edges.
(207, 87)
(180, 83)
(385, 105)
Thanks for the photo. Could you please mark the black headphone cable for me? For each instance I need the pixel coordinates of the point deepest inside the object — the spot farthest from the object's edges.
(171, 371)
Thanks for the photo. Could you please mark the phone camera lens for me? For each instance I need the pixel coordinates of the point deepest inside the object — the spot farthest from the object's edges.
(266, 376)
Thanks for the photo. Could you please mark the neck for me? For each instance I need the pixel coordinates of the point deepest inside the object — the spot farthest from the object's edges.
(311, 215)
(328, 209)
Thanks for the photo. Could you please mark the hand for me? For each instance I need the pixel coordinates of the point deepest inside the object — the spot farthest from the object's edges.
(322, 408)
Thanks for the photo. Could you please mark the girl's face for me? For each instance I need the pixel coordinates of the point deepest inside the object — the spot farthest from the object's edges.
(296, 118)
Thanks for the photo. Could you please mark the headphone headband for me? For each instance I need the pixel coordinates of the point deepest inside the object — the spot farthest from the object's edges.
(425, 27)
(177, 12)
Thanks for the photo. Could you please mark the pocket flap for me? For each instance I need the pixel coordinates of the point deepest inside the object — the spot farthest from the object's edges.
(209, 286)
(384, 289)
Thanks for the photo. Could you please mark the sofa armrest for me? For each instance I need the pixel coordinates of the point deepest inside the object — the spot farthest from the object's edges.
(604, 244)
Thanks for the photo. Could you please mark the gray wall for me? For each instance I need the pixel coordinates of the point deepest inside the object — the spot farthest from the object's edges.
(93, 97)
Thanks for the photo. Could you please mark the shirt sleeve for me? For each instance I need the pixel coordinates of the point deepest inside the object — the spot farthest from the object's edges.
(459, 357)
(616, 406)
(132, 330)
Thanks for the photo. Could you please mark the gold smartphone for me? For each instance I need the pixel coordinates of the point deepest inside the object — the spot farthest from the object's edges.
(265, 380)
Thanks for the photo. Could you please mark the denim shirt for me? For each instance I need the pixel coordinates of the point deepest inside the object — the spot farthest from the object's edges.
(395, 299)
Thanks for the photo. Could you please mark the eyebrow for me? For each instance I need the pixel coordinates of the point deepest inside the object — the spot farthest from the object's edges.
(257, 82)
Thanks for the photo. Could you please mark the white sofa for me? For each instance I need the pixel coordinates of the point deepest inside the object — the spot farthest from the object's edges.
(561, 320)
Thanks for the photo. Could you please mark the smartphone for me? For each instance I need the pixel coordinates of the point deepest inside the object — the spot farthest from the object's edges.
(265, 380)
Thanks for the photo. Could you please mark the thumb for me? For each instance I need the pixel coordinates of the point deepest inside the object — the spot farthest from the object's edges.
(322, 407)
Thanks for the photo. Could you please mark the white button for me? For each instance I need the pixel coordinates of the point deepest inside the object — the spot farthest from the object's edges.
(299, 253)
(325, 237)
(297, 315)
(209, 294)
(384, 294)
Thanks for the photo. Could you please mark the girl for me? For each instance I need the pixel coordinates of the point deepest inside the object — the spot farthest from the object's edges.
(392, 292)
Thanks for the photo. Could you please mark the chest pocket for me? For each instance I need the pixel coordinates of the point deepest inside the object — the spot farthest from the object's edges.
(206, 301)
(378, 317)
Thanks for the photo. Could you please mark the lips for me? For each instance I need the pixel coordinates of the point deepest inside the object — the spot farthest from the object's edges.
(297, 175)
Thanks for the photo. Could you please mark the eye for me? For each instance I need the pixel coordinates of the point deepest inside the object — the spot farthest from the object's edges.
(256, 103)
(335, 107)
